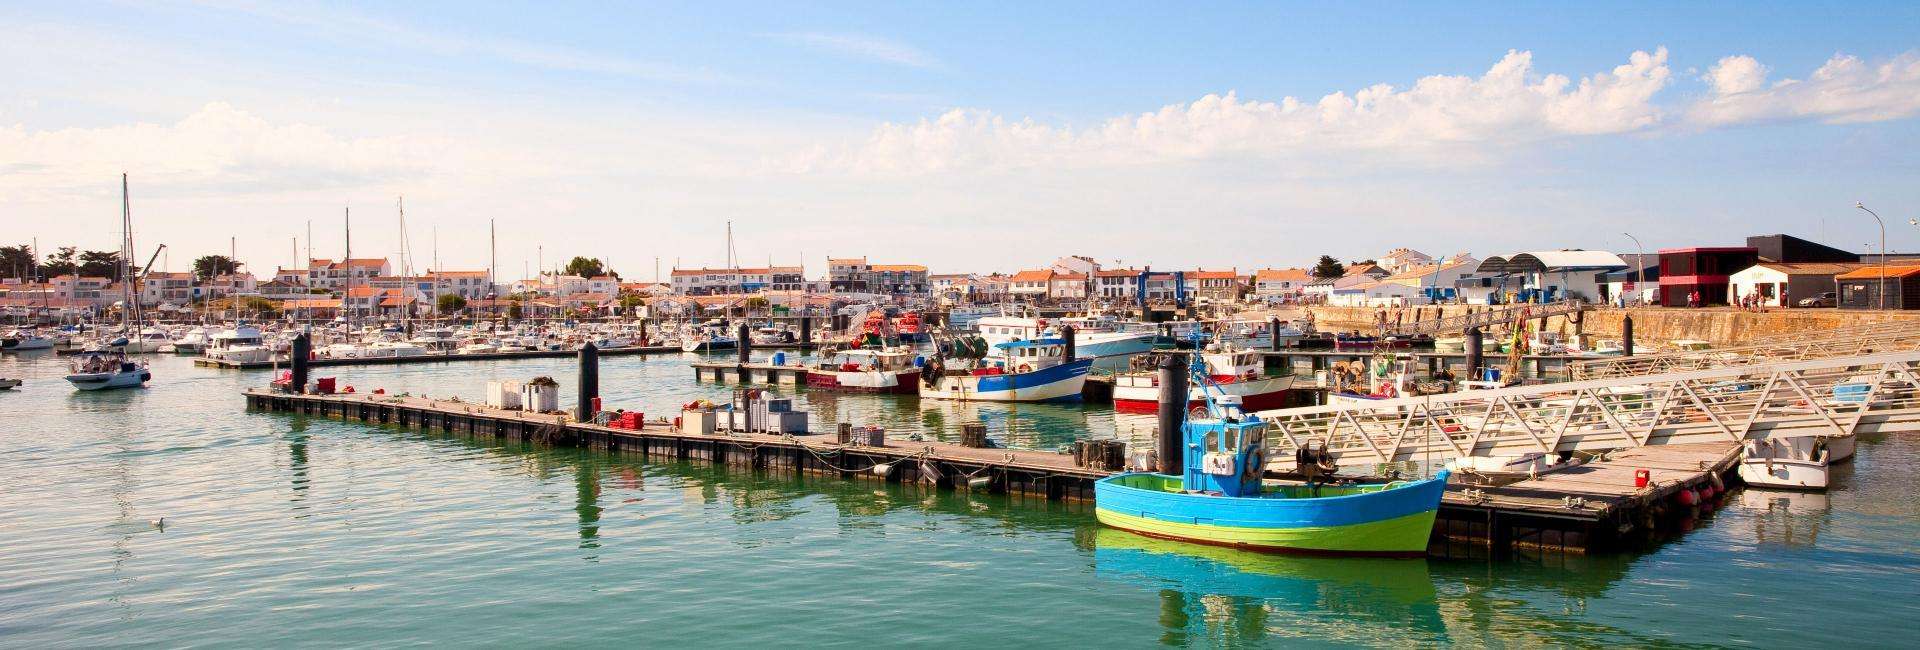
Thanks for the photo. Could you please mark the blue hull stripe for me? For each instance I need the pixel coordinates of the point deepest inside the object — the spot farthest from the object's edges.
(1042, 377)
(1256, 512)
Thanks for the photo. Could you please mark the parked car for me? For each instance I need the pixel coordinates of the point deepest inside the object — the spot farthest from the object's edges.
(1823, 300)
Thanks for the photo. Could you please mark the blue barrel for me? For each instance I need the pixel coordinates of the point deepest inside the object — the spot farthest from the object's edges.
(920, 361)
(779, 358)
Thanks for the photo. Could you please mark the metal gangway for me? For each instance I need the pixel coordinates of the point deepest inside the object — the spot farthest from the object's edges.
(1830, 396)
(1483, 319)
(1886, 336)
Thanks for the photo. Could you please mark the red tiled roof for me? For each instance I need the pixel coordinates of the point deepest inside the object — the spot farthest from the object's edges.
(1033, 276)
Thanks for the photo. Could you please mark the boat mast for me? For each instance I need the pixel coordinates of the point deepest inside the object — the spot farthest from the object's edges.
(130, 305)
(347, 301)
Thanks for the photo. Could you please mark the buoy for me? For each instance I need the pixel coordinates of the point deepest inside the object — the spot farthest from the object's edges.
(1686, 497)
(882, 469)
(978, 482)
(379, 391)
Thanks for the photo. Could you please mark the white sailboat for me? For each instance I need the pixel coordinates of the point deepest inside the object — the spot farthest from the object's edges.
(104, 370)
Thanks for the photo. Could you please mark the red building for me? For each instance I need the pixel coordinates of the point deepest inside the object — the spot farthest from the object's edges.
(1684, 271)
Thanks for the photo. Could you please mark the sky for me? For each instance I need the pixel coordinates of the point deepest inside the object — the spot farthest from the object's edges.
(970, 137)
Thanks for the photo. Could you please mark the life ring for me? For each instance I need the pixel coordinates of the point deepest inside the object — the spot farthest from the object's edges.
(1256, 465)
(1025, 367)
(1387, 389)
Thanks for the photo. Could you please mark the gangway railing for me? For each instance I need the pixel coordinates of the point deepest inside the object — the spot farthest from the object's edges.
(1887, 336)
(1836, 396)
(1483, 319)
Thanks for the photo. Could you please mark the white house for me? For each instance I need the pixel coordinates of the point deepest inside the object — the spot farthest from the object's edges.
(1400, 259)
(1280, 283)
(1782, 284)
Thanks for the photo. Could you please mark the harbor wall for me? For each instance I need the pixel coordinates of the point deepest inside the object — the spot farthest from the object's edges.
(1651, 325)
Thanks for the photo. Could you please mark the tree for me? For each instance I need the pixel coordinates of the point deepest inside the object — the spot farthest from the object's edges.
(16, 261)
(101, 264)
(585, 267)
(1328, 268)
(450, 303)
(211, 265)
(630, 301)
(513, 311)
(60, 262)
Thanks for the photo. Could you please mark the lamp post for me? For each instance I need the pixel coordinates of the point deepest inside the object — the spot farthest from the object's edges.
(1883, 253)
(1639, 262)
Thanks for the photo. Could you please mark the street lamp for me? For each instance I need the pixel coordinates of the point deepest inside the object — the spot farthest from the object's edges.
(1883, 253)
(1639, 263)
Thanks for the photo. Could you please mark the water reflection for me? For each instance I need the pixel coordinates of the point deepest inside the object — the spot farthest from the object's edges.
(1222, 596)
(297, 439)
(1786, 519)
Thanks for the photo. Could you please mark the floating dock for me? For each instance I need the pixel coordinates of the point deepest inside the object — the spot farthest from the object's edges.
(435, 358)
(1589, 508)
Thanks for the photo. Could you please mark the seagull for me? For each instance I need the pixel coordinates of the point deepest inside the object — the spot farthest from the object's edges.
(159, 524)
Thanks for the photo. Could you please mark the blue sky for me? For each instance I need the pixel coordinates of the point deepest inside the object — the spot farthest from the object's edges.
(969, 136)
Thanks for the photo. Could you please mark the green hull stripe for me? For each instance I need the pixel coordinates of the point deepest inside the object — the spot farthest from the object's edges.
(1406, 534)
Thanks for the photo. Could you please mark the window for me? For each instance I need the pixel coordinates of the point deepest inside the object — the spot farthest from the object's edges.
(1213, 440)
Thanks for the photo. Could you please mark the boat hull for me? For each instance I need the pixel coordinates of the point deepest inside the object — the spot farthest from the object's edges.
(895, 383)
(1255, 395)
(107, 380)
(1786, 474)
(1058, 383)
(1390, 522)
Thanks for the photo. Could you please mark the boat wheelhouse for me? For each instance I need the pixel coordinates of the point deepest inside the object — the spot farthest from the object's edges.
(1230, 370)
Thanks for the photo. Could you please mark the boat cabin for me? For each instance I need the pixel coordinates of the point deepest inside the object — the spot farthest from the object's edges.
(1229, 364)
(1225, 456)
(1027, 356)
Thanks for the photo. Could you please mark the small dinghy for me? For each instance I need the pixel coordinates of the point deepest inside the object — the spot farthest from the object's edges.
(1220, 499)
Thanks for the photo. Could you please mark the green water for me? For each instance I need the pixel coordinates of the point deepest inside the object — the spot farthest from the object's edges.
(284, 530)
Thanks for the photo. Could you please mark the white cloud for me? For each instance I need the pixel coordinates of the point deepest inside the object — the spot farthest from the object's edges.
(217, 147)
(1509, 104)
(1845, 89)
(1736, 74)
(867, 47)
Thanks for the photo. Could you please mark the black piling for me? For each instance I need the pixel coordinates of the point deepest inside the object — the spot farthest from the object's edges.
(806, 332)
(1173, 413)
(1273, 332)
(302, 350)
(745, 344)
(1626, 335)
(1475, 353)
(1066, 334)
(589, 387)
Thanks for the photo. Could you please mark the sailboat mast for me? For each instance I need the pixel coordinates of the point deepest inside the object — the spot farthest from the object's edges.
(347, 301)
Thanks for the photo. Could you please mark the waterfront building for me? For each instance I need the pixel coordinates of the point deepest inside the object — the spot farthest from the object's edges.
(1218, 286)
(1280, 284)
(167, 287)
(1116, 285)
(278, 290)
(1638, 288)
(1067, 286)
(1785, 284)
(290, 276)
(332, 276)
(1031, 285)
(221, 286)
(1861, 288)
(897, 279)
(847, 274)
(1547, 276)
(1401, 259)
(1701, 272)
(470, 285)
(1075, 264)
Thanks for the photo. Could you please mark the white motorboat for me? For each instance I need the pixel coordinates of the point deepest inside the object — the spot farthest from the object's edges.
(148, 341)
(242, 344)
(25, 341)
(104, 370)
(1507, 468)
(707, 338)
(194, 342)
(1800, 463)
(478, 345)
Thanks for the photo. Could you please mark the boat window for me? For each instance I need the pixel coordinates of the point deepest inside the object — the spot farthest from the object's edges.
(1213, 440)
(1256, 437)
(1232, 441)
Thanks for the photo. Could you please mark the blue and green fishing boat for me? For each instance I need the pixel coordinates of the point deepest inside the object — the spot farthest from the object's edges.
(1220, 499)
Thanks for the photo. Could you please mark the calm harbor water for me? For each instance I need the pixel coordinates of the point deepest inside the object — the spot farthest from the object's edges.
(285, 530)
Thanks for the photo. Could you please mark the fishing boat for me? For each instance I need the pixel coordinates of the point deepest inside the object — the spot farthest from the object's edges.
(104, 370)
(867, 370)
(1093, 337)
(1016, 371)
(910, 328)
(1233, 371)
(965, 318)
(9, 383)
(1801, 463)
(1221, 498)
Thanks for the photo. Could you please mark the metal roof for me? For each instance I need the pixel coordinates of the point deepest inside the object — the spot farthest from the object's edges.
(1537, 261)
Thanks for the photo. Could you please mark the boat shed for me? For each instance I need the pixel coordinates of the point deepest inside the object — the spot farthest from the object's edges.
(1548, 276)
(1861, 288)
